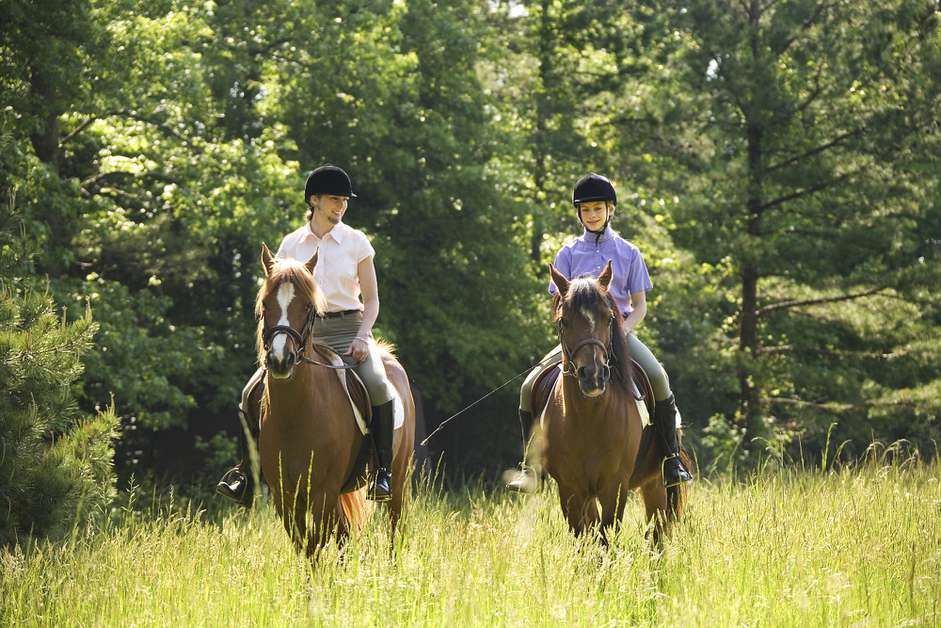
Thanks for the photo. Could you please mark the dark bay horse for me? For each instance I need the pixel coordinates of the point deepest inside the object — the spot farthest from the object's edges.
(594, 443)
(309, 442)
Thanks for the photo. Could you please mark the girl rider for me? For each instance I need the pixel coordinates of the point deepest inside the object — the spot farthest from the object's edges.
(344, 272)
(595, 199)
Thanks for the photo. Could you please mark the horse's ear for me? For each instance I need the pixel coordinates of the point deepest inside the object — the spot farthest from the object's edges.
(605, 277)
(559, 280)
(312, 262)
(267, 260)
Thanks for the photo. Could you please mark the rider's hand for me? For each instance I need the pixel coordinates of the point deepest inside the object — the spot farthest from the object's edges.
(359, 349)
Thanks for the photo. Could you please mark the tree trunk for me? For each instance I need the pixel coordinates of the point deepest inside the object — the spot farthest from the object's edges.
(749, 385)
(539, 134)
(45, 139)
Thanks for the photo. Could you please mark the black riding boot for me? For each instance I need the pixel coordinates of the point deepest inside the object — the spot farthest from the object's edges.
(665, 423)
(524, 479)
(383, 420)
(238, 482)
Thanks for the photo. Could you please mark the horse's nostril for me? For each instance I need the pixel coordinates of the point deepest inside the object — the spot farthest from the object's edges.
(582, 372)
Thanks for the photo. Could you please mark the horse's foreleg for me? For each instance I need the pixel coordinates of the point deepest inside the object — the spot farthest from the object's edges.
(314, 521)
(574, 506)
(612, 502)
(660, 513)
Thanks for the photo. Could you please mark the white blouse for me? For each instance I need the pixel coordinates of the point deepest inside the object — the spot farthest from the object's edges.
(337, 271)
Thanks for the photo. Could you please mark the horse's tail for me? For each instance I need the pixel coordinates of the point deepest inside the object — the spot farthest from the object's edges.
(355, 508)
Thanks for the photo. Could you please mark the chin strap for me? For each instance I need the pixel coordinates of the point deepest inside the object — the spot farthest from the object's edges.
(600, 232)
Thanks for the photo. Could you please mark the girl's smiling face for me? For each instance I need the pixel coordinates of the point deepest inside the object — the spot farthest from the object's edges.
(594, 214)
(331, 207)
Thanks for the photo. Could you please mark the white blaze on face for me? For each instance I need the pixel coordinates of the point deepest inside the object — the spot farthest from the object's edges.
(590, 317)
(285, 296)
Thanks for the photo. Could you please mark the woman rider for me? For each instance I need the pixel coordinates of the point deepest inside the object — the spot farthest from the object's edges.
(344, 272)
(595, 200)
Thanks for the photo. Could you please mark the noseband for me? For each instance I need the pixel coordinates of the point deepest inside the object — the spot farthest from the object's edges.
(300, 339)
(568, 366)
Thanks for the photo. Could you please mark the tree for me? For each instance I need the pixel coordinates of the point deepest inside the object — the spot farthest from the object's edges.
(810, 122)
(56, 463)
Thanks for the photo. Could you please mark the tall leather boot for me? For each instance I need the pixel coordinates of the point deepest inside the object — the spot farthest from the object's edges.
(238, 482)
(674, 472)
(524, 479)
(380, 488)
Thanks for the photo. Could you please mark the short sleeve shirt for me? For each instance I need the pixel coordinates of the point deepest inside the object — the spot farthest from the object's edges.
(583, 256)
(337, 271)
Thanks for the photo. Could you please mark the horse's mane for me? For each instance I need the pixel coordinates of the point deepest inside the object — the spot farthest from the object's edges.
(585, 292)
(295, 272)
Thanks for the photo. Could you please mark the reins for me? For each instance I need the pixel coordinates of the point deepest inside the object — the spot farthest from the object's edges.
(468, 407)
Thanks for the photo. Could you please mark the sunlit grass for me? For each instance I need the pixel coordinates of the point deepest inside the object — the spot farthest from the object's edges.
(852, 547)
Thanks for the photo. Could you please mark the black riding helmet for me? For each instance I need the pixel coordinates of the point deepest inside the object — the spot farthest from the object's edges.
(328, 180)
(593, 187)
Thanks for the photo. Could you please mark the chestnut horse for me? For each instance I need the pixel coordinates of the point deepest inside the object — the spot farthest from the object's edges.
(594, 443)
(309, 441)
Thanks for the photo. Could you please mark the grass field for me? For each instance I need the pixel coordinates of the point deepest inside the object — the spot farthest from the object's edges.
(855, 547)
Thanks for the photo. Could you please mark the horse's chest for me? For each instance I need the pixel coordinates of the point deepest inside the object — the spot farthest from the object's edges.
(585, 454)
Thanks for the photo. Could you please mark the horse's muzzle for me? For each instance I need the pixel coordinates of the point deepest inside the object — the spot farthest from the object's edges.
(593, 381)
(281, 367)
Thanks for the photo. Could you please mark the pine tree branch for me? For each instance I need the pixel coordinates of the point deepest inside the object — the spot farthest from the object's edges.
(784, 305)
(814, 93)
(815, 151)
(805, 25)
(804, 192)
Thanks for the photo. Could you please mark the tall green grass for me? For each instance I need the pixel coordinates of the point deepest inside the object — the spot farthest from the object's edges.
(787, 547)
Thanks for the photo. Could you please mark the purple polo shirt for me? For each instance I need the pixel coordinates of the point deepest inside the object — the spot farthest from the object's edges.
(583, 257)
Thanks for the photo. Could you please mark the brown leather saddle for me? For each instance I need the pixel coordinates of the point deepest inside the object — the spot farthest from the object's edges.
(549, 375)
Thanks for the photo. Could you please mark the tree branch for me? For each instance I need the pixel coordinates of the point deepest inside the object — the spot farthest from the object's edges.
(84, 125)
(831, 406)
(784, 305)
(806, 24)
(804, 192)
(816, 151)
(95, 179)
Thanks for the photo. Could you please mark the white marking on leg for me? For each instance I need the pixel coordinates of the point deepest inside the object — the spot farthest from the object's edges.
(285, 296)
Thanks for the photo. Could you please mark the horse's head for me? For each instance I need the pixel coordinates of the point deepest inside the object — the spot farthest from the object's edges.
(589, 325)
(286, 306)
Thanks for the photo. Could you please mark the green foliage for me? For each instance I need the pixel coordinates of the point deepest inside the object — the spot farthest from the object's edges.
(56, 463)
(766, 167)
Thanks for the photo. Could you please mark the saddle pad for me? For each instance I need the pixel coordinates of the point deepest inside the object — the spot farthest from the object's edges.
(398, 408)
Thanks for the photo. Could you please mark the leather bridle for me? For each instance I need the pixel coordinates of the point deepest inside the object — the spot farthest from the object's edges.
(568, 366)
(300, 341)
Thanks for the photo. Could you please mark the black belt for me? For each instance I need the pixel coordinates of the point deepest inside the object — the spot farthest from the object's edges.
(340, 314)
